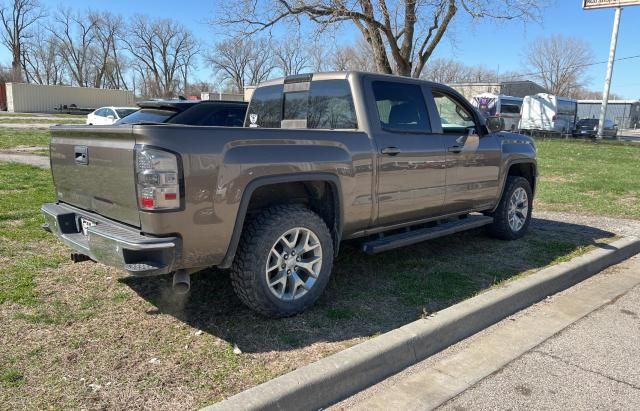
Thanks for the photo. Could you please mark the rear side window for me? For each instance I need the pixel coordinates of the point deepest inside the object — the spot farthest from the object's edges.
(265, 109)
(147, 115)
(401, 107)
(211, 114)
(331, 105)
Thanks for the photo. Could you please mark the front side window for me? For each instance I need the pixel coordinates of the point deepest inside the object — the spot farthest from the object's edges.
(401, 107)
(331, 105)
(265, 109)
(454, 116)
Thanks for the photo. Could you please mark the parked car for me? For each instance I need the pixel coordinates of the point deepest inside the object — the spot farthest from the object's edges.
(322, 158)
(109, 115)
(588, 127)
(505, 107)
(548, 113)
(191, 112)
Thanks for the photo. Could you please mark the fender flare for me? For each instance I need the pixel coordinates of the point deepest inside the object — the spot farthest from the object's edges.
(506, 175)
(278, 179)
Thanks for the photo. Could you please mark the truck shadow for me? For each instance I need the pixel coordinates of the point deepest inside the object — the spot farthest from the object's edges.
(369, 295)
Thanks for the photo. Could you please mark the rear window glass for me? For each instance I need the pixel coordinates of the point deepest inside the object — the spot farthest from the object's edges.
(296, 105)
(588, 122)
(147, 115)
(401, 106)
(211, 114)
(331, 105)
(265, 109)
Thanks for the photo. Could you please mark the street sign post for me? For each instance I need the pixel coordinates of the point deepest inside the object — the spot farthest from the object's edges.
(600, 4)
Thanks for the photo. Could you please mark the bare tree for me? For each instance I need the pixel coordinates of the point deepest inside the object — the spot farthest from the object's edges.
(261, 65)
(559, 62)
(291, 58)
(402, 34)
(17, 18)
(162, 51)
(356, 57)
(41, 59)
(109, 30)
(242, 61)
(76, 37)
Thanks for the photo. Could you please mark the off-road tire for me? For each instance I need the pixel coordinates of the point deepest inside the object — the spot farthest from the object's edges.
(248, 275)
(500, 227)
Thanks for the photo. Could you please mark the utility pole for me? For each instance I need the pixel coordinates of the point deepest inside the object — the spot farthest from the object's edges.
(607, 79)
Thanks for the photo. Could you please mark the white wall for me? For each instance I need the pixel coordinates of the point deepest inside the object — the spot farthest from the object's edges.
(35, 98)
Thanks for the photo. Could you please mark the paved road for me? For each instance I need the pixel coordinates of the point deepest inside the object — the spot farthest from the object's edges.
(593, 362)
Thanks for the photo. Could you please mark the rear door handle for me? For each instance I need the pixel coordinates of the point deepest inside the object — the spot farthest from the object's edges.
(390, 151)
(455, 149)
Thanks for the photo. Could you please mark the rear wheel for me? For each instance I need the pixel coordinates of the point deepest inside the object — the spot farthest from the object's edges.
(283, 262)
(512, 216)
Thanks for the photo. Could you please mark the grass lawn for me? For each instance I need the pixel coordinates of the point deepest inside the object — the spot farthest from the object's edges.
(589, 178)
(12, 138)
(84, 336)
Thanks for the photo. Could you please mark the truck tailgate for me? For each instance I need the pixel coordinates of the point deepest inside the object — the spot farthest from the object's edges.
(93, 169)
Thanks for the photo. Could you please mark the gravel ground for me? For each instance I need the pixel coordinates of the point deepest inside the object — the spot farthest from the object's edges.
(33, 160)
(618, 226)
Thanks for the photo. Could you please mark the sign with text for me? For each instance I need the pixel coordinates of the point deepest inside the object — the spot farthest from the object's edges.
(599, 4)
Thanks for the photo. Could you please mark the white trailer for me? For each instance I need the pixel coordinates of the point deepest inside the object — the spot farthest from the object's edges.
(548, 113)
(36, 98)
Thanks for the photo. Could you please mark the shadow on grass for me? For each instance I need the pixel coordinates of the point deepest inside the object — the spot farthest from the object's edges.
(368, 295)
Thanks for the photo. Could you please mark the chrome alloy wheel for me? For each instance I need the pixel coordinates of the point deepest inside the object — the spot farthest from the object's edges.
(294, 264)
(518, 209)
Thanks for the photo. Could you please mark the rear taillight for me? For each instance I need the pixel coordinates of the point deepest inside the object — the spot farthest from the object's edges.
(158, 179)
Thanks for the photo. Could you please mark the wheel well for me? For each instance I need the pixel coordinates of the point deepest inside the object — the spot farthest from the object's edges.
(320, 197)
(526, 170)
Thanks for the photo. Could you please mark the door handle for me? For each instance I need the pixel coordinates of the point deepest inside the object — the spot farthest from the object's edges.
(455, 149)
(390, 151)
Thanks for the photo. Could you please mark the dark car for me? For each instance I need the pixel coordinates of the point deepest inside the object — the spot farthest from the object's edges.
(189, 112)
(588, 127)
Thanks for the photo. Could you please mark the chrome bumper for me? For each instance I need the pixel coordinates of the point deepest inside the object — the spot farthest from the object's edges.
(110, 243)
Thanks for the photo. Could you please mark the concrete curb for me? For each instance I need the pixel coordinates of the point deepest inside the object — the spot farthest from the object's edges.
(334, 378)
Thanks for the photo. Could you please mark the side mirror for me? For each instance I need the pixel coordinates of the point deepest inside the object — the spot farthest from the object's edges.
(110, 117)
(494, 124)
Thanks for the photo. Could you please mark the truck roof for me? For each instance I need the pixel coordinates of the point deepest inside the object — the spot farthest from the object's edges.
(336, 75)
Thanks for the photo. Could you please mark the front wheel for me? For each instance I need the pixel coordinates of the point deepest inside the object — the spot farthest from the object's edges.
(283, 262)
(512, 217)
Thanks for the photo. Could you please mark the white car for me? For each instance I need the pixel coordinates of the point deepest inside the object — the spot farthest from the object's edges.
(106, 116)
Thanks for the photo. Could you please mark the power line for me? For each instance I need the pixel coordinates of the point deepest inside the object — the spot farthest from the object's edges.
(575, 66)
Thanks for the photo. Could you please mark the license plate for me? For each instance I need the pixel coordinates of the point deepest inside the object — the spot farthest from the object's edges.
(86, 224)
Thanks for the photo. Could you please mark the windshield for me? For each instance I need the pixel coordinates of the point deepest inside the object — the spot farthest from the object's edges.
(588, 122)
(147, 115)
(123, 112)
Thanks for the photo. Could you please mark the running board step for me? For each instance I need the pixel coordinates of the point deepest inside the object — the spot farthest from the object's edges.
(423, 234)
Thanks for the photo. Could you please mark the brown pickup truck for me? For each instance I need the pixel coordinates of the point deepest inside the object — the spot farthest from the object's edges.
(322, 158)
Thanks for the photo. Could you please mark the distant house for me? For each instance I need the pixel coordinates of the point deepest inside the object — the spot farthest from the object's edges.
(520, 88)
(625, 113)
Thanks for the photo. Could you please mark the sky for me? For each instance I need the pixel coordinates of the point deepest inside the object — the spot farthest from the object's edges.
(497, 45)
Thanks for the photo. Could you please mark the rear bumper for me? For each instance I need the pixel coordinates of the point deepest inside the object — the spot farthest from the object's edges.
(111, 243)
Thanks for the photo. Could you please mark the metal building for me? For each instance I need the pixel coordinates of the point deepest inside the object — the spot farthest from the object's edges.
(625, 113)
(36, 98)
